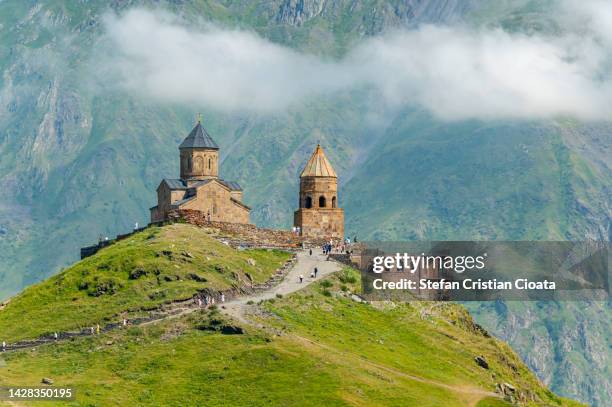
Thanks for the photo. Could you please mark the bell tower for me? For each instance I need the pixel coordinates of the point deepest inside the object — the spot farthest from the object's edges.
(199, 155)
(319, 215)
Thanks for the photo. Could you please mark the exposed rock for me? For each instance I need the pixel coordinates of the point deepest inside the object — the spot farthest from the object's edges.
(137, 273)
(231, 330)
(168, 254)
(251, 262)
(480, 360)
(507, 390)
(356, 298)
(47, 380)
(197, 278)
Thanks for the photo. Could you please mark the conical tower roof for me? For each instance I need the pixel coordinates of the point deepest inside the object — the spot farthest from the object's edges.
(318, 165)
(199, 138)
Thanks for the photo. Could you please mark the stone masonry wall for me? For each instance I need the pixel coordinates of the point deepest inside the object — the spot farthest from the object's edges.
(241, 234)
(214, 199)
(320, 222)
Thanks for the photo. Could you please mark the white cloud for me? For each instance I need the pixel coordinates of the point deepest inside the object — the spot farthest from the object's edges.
(455, 72)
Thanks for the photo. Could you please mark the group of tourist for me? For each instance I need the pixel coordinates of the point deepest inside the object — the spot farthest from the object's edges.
(337, 247)
(296, 230)
(313, 274)
(93, 330)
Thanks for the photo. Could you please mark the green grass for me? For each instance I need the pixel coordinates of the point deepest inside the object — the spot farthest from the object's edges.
(156, 266)
(332, 351)
(434, 341)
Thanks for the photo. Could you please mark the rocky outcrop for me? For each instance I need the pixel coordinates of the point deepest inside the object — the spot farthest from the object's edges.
(374, 16)
(296, 12)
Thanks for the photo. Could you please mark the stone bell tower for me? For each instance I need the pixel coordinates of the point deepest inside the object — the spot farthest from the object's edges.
(318, 214)
(199, 155)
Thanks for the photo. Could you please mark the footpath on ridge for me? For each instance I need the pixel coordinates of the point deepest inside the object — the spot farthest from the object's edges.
(303, 265)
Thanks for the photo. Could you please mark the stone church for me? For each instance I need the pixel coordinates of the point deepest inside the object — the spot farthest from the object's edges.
(318, 214)
(199, 186)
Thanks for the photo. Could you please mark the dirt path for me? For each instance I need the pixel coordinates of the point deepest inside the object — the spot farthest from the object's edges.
(304, 266)
(289, 283)
(239, 307)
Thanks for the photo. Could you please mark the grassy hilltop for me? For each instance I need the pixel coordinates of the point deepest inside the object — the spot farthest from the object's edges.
(315, 347)
(150, 268)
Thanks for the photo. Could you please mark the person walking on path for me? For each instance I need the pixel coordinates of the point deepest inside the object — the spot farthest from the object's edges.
(301, 278)
(222, 297)
(3, 346)
(315, 271)
(92, 330)
(98, 329)
(310, 251)
(55, 335)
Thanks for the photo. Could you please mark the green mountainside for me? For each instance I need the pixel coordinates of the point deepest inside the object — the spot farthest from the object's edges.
(80, 161)
(144, 271)
(315, 347)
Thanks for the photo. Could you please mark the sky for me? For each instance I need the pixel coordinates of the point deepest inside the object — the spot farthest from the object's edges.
(453, 71)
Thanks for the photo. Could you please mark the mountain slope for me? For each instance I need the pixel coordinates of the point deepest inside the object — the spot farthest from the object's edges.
(146, 270)
(316, 346)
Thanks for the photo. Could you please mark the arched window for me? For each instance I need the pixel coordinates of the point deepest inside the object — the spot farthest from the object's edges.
(188, 163)
(308, 202)
(209, 163)
(322, 202)
(198, 164)
(334, 202)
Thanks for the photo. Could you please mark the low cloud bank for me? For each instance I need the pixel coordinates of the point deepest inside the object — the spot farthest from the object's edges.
(453, 71)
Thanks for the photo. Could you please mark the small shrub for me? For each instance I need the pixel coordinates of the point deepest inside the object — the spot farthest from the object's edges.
(344, 288)
(104, 286)
(157, 295)
(135, 331)
(279, 295)
(250, 302)
(326, 283)
(347, 278)
(327, 293)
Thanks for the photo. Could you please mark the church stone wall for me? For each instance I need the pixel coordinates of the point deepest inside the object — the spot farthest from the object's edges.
(215, 199)
(317, 187)
(320, 222)
(165, 197)
(199, 163)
